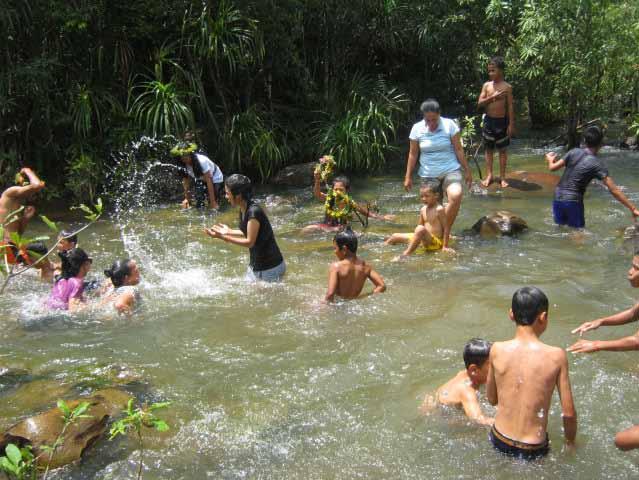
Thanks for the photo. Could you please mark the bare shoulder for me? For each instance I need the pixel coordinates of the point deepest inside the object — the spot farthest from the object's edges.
(506, 86)
(440, 209)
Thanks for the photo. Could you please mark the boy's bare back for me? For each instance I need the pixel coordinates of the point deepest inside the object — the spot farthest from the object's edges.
(523, 376)
(351, 276)
(499, 107)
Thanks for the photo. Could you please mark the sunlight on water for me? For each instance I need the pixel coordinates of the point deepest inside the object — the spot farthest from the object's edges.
(267, 382)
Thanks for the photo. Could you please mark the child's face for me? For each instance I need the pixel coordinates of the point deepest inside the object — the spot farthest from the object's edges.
(493, 72)
(339, 187)
(65, 245)
(133, 278)
(428, 197)
(339, 253)
(633, 273)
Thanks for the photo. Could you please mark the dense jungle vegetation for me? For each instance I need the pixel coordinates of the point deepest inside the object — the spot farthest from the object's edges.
(271, 82)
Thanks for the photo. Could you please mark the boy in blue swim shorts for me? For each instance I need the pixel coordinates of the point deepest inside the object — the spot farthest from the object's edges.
(582, 166)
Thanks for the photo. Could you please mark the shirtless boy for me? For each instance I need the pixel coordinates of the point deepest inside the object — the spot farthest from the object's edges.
(462, 389)
(347, 276)
(496, 98)
(433, 231)
(629, 438)
(17, 196)
(523, 375)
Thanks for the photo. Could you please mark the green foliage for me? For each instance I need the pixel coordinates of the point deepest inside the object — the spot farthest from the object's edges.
(18, 463)
(161, 108)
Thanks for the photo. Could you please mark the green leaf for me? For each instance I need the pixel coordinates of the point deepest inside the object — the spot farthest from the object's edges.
(13, 454)
(7, 466)
(160, 425)
(49, 223)
(157, 406)
(64, 408)
(40, 238)
(81, 409)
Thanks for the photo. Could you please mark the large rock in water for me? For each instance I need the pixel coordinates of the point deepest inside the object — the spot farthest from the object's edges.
(528, 182)
(300, 175)
(43, 429)
(499, 223)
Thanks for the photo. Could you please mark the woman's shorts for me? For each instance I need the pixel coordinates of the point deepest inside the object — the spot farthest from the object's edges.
(445, 181)
(274, 274)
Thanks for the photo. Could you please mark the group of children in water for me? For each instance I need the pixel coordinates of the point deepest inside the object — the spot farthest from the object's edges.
(520, 374)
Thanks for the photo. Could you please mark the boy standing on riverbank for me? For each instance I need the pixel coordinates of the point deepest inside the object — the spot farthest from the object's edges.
(523, 375)
(496, 98)
(347, 276)
(582, 166)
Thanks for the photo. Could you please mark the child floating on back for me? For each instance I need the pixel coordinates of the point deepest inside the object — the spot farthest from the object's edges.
(433, 232)
(462, 389)
(523, 375)
(347, 276)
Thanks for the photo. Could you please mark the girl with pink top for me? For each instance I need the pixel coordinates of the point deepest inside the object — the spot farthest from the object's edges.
(69, 286)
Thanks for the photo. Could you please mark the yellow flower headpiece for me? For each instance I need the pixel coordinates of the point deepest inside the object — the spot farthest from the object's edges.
(183, 149)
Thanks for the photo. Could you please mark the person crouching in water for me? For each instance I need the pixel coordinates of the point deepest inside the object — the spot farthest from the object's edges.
(339, 207)
(207, 176)
(463, 388)
(433, 231)
(124, 275)
(255, 232)
(67, 292)
(347, 276)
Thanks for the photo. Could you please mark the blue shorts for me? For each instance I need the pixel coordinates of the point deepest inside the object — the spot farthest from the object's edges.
(274, 274)
(569, 213)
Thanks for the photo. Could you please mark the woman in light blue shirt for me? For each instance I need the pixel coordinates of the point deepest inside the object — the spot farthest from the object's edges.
(435, 140)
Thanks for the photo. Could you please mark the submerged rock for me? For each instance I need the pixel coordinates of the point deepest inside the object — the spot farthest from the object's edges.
(300, 175)
(43, 429)
(499, 223)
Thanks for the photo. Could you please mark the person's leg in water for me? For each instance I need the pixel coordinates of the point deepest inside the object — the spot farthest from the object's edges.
(488, 155)
(396, 238)
(503, 160)
(421, 236)
(455, 193)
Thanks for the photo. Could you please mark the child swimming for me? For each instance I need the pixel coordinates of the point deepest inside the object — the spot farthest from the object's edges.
(124, 275)
(339, 207)
(461, 391)
(347, 276)
(68, 288)
(433, 232)
(523, 375)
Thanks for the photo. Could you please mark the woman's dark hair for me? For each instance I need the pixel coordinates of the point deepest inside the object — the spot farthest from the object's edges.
(119, 269)
(66, 234)
(593, 136)
(343, 179)
(240, 185)
(195, 165)
(528, 303)
(72, 261)
(347, 238)
(476, 352)
(430, 105)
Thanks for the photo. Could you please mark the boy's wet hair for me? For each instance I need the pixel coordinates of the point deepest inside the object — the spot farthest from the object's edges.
(593, 136)
(343, 179)
(66, 234)
(240, 185)
(430, 105)
(527, 304)
(498, 62)
(72, 261)
(432, 186)
(119, 269)
(476, 351)
(346, 238)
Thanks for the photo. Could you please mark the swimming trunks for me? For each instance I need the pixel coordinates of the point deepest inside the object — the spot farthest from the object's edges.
(517, 449)
(495, 133)
(434, 245)
(569, 213)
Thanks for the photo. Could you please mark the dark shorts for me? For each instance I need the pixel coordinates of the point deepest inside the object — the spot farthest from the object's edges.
(517, 449)
(495, 133)
(201, 193)
(569, 213)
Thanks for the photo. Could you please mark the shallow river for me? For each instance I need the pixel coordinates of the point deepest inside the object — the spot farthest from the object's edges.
(268, 383)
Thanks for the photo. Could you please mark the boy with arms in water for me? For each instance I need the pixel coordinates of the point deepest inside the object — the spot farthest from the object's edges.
(627, 439)
(462, 389)
(523, 375)
(496, 98)
(347, 276)
(433, 231)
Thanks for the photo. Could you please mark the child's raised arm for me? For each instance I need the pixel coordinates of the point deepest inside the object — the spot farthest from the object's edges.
(553, 162)
(317, 189)
(568, 413)
(377, 280)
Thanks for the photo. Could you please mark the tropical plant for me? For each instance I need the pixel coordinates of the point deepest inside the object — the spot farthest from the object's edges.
(18, 463)
(137, 418)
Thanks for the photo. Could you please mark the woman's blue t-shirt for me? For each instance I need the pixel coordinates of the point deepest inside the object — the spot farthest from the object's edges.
(437, 154)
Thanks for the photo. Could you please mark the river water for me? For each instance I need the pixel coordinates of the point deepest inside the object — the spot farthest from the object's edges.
(266, 382)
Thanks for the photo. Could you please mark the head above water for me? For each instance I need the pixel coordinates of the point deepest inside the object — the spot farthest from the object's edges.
(346, 240)
(593, 137)
(341, 184)
(497, 62)
(240, 187)
(75, 262)
(476, 352)
(66, 241)
(528, 305)
(633, 273)
(429, 192)
(123, 272)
